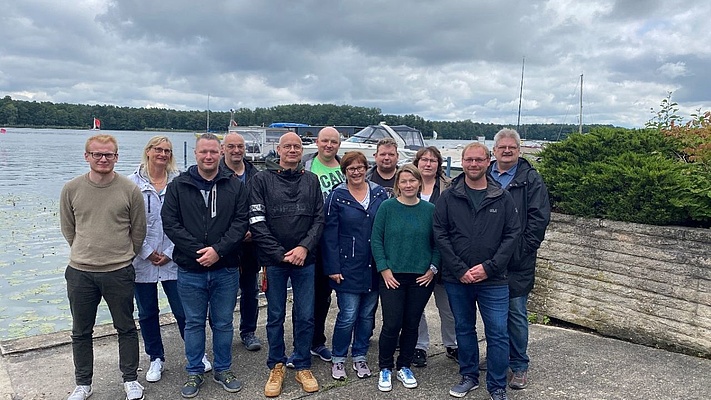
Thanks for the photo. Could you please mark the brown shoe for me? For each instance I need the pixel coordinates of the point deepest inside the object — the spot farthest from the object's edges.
(275, 381)
(519, 380)
(307, 380)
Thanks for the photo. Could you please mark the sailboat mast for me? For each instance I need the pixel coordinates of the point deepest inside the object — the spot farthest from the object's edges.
(580, 125)
(207, 129)
(520, 96)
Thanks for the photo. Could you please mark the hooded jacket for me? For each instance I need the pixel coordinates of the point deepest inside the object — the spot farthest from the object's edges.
(468, 236)
(530, 195)
(156, 239)
(192, 224)
(286, 210)
(345, 244)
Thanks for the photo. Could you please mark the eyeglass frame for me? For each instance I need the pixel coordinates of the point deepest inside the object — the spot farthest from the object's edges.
(360, 168)
(160, 150)
(109, 156)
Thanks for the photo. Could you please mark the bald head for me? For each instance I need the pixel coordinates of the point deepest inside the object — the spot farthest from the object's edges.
(328, 143)
(233, 148)
(289, 150)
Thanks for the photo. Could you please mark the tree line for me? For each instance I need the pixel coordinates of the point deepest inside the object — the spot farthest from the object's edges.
(20, 113)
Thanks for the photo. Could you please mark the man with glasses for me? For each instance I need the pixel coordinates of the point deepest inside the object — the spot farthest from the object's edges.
(326, 164)
(286, 220)
(103, 219)
(518, 177)
(477, 229)
(383, 173)
(233, 148)
(205, 216)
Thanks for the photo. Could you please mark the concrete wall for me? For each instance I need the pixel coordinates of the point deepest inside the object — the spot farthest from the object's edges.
(643, 283)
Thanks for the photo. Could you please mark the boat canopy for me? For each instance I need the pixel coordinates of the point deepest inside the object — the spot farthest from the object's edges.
(405, 136)
(287, 125)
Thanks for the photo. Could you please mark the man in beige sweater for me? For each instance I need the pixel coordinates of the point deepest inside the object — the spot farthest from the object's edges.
(103, 220)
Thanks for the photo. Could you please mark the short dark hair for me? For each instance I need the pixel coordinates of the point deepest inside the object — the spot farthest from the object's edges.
(435, 151)
(207, 136)
(352, 157)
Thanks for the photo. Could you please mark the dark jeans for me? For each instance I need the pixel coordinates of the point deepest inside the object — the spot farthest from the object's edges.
(322, 303)
(248, 302)
(493, 304)
(518, 333)
(85, 290)
(302, 286)
(149, 314)
(402, 309)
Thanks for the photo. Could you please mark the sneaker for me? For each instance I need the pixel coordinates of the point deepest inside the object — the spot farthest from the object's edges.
(361, 369)
(385, 383)
(228, 380)
(407, 378)
(499, 394)
(322, 352)
(307, 380)
(290, 361)
(155, 371)
(453, 353)
(192, 386)
(466, 385)
(206, 363)
(81, 392)
(419, 359)
(134, 390)
(275, 381)
(338, 372)
(251, 342)
(519, 380)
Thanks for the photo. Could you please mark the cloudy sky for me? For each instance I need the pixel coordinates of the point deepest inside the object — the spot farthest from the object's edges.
(442, 60)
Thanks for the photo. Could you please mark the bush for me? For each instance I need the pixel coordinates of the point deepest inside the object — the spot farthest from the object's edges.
(627, 175)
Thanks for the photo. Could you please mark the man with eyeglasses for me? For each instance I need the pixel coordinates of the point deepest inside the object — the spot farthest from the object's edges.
(515, 174)
(102, 218)
(383, 173)
(205, 216)
(477, 229)
(233, 148)
(326, 164)
(286, 220)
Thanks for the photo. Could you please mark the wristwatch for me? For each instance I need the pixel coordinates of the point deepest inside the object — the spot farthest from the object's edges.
(433, 269)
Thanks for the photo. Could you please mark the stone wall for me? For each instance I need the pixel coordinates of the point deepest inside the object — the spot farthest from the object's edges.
(646, 284)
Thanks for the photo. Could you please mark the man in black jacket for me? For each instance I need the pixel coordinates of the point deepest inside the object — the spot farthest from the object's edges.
(477, 228)
(205, 216)
(530, 195)
(286, 220)
(233, 148)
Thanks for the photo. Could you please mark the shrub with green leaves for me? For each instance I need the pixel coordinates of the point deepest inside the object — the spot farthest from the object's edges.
(627, 175)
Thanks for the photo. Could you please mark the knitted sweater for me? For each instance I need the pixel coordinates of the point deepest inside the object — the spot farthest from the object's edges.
(104, 224)
(402, 238)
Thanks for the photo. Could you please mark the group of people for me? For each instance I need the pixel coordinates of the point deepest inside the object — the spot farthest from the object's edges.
(383, 236)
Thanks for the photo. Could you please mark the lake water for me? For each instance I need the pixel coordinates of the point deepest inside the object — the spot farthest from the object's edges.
(34, 166)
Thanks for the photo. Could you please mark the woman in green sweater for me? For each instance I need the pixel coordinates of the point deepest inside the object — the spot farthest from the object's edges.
(406, 256)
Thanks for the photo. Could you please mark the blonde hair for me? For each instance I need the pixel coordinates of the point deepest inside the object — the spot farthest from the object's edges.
(153, 142)
(476, 145)
(101, 138)
(412, 169)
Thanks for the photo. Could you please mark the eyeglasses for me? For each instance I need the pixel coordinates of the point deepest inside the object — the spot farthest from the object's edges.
(353, 170)
(161, 150)
(475, 160)
(290, 146)
(429, 160)
(97, 156)
(504, 148)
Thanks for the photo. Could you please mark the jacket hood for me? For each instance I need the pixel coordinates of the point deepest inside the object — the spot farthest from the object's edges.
(272, 164)
(492, 188)
(142, 173)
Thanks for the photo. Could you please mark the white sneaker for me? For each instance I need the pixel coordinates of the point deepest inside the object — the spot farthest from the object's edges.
(134, 390)
(81, 392)
(407, 378)
(385, 383)
(155, 371)
(208, 366)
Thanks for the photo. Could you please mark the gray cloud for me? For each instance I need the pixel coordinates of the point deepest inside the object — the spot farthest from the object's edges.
(445, 60)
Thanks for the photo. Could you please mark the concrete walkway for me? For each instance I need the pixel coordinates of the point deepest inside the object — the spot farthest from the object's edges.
(566, 364)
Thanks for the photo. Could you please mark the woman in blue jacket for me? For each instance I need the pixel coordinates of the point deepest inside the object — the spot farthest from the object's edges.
(350, 211)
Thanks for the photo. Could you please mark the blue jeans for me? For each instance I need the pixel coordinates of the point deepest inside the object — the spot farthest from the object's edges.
(149, 314)
(248, 303)
(216, 290)
(356, 319)
(518, 333)
(493, 304)
(302, 286)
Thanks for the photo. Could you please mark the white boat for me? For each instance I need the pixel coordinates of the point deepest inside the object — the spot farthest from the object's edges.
(408, 140)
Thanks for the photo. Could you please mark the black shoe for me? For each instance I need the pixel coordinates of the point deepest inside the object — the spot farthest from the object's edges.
(498, 394)
(419, 360)
(192, 386)
(453, 353)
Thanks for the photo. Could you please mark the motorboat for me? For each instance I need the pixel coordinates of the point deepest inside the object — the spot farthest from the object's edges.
(408, 140)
